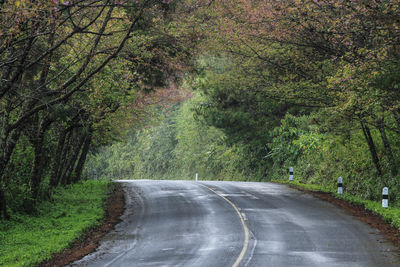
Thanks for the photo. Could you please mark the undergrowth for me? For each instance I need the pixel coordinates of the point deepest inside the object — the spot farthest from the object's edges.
(27, 240)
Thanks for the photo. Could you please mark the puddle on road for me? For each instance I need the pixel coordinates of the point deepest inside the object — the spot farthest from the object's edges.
(115, 237)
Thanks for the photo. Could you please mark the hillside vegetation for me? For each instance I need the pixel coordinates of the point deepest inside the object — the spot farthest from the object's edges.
(312, 85)
(181, 144)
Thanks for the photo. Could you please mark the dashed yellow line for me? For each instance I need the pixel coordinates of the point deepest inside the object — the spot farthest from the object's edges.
(245, 229)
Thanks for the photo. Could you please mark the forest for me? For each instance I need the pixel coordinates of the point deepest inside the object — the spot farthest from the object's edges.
(309, 84)
(164, 89)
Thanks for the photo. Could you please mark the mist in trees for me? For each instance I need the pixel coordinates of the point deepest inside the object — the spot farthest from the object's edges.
(175, 146)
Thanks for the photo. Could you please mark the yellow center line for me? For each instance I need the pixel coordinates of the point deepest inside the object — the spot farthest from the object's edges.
(245, 229)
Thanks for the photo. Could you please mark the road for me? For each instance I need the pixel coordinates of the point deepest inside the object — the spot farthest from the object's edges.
(185, 223)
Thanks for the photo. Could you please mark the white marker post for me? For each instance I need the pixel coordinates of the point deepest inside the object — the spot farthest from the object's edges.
(197, 177)
(291, 174)
(340, 185)
(385, 197)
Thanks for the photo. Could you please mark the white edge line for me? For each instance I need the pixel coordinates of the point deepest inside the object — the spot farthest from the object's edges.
(252, 250)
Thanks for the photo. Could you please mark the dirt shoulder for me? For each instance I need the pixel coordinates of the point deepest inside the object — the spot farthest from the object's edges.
(91, 240)
(391, 233)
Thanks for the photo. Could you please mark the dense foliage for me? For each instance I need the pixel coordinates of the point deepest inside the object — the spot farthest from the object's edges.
(75, 75)
(310, 84)
(176, 147)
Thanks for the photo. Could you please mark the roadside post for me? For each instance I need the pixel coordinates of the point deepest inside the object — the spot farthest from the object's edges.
(94, 174)
(340, 185)
(291, 174)
(197, 177)
(385, 197)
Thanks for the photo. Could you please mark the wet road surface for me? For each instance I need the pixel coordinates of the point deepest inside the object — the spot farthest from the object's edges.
(185, 223)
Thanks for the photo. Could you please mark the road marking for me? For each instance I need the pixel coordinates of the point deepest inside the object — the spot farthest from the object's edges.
(166, 249)
(249, 195)
(252, 250)
(244, 225)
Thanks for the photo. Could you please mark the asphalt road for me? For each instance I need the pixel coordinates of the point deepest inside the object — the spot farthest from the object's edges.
(184, 223)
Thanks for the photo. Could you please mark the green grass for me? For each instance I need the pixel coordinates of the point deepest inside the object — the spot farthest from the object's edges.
(28, 240)
(390, 215)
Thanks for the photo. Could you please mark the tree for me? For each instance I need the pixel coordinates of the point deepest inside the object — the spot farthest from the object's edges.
(58, 86)
(315, 54)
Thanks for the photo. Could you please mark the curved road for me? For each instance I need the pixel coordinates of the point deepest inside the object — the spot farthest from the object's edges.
(184, 223)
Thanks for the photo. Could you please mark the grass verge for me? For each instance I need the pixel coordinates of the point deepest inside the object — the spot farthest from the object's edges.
(390, 215)
(28, 240)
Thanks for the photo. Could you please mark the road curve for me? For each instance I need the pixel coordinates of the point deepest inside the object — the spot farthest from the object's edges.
(185, 223)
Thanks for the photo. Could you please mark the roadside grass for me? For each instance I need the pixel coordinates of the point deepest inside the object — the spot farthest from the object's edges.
(391, 215)
(27, 240)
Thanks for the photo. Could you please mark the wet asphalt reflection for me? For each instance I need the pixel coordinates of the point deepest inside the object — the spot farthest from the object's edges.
(187, 223)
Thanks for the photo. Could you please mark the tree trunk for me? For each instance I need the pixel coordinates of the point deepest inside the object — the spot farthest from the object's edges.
(386, 144)
(82, 158)
(372, 147)
(3, 205)
(73, 159)
(7, 149)
(55, 172)
(37, 141)
(65, 156)
(9, 138)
